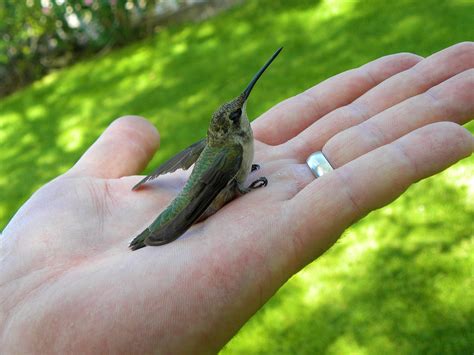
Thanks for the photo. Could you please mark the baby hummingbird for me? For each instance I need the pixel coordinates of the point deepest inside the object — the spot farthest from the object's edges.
(223, 160)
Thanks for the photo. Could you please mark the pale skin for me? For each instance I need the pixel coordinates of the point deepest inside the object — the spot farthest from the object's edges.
(69, 283)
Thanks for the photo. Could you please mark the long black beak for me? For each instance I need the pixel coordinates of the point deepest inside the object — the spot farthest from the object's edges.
(257, 76)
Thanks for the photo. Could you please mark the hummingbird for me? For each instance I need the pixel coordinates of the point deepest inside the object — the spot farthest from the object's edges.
(222, 162)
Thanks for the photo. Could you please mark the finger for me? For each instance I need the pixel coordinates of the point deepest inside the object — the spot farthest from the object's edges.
(452, 100)
(124, 148)
(421, 77)
(293, 115)
(328, 205)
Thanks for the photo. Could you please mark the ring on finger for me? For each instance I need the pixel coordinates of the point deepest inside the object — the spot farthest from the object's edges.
(318, 164)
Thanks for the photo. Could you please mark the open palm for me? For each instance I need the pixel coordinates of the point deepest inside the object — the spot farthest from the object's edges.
(68, 281)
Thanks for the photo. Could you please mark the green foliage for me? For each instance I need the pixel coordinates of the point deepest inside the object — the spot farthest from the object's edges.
(37, 36)
(399, 281)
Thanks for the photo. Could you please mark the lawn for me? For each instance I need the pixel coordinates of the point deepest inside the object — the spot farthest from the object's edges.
(399, 281)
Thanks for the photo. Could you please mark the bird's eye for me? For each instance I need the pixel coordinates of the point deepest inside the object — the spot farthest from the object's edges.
(234, 116)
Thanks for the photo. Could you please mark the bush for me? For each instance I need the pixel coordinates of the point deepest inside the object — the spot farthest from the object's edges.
(37, 36)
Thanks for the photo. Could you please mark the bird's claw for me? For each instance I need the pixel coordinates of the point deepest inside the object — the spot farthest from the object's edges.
(254, 167)
(260, 182)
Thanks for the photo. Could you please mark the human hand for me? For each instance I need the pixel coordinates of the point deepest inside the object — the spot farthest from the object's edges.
(68, 281)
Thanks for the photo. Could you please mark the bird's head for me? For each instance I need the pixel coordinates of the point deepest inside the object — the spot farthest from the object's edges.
(230, 119)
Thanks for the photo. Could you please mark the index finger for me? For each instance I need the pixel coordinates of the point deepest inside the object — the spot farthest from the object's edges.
(290, 117)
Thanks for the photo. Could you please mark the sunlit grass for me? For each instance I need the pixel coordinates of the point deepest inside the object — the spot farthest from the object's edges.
(399, 281)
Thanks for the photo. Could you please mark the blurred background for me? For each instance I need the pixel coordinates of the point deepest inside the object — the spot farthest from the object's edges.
(399, 281)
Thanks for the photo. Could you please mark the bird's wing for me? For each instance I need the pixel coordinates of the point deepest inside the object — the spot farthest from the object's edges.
(211, 174)
(182, 160)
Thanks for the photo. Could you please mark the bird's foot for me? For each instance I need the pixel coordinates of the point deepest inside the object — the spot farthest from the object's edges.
(260, 182)
(255, 167)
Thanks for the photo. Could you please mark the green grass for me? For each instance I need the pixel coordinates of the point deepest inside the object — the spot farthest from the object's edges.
(399, 281)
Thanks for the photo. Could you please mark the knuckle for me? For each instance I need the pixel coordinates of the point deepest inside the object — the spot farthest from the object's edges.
(362, 79)
(389, 65)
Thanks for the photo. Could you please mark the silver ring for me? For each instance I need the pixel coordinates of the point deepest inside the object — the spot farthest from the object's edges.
(318, 164)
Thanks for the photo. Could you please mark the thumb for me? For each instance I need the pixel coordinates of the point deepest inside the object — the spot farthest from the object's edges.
(124, 148)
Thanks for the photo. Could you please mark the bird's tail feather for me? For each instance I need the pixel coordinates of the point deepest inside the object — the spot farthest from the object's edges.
(139, 241)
